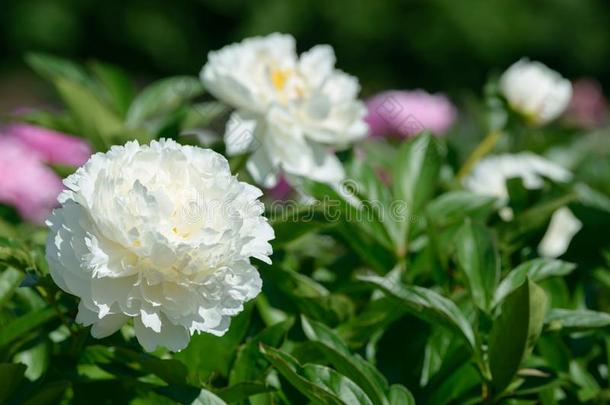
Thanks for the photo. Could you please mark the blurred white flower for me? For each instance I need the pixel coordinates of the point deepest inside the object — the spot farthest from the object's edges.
(490, 174)
(163, 234)
(562, 228)
(534, 90)
(292, 112)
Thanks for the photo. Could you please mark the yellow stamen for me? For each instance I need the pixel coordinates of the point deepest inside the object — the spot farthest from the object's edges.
(279, 78)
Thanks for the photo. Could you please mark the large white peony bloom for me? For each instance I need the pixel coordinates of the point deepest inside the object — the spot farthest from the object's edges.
(534, 90)
(163, 234)
(291, 111)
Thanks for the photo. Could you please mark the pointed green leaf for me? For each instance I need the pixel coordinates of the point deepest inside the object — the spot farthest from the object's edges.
(416, 171)
(427, 305)
(361, 372)
(478, 259)
(576, 319)
(162, 97)
(515, 332)
(290, 368)
(537, 270)
(344, 388)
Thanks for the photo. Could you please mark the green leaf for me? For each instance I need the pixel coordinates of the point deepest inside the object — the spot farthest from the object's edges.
(208, 398)
(50, 393)
(319, 391)
(250, 364)
(118, 87)
(10, 375)
(10, 279)
(52, 68)
(352, 366)
(399, 395)
(416, 171)
(162, 97)
(95, 120)
(171, 371)
(290, 224)
(576, 319)
(342, 387)
(242, 391)
(452, 207)
(310, 297)
(427, 305)
(537, 270)
(478, 259)
(25, 324)
(515, 332)
(207, 353)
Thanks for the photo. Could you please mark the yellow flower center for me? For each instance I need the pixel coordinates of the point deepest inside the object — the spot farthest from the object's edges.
(279, 78)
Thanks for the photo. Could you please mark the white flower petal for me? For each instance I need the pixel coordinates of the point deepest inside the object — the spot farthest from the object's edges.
(108, 325)
(174, 337)
(562, 228)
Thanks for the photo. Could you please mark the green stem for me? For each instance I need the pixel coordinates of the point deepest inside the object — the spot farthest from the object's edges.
(480, 151)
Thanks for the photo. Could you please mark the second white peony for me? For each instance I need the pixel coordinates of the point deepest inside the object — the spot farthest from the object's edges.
(161, 234)
(535, 91)
(292, 112)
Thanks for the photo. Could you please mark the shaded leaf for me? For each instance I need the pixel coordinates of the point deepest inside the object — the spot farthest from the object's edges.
(427, 305)
(10, 375)
(515, 332)
(25, 324)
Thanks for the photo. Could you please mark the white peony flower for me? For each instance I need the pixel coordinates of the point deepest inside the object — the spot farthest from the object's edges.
(534, 90)
(562, 228)
(490, 174)
(291, 111)
(162, 234)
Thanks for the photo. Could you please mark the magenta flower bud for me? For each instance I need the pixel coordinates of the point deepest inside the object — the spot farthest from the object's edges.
(407, 113)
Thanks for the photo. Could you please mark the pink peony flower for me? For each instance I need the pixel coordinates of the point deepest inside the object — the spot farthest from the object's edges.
(588, 108)
(25, 182)
(407, 113)
(51, 146)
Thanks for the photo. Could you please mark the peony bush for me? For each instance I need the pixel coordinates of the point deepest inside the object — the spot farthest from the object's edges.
(264, 234)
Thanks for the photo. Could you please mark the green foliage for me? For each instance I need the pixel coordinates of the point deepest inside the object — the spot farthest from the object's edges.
(399, 288)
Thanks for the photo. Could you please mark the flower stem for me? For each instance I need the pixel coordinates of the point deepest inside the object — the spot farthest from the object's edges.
(480, 151)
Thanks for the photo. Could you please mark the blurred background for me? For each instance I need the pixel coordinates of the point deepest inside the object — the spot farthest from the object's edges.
(431, 44)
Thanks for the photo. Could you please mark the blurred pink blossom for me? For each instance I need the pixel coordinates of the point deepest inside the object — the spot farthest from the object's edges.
(588, 107)
(25, 182)
(51, 146)
(407, 113)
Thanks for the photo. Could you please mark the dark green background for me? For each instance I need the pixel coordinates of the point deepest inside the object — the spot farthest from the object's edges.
(444, 45)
